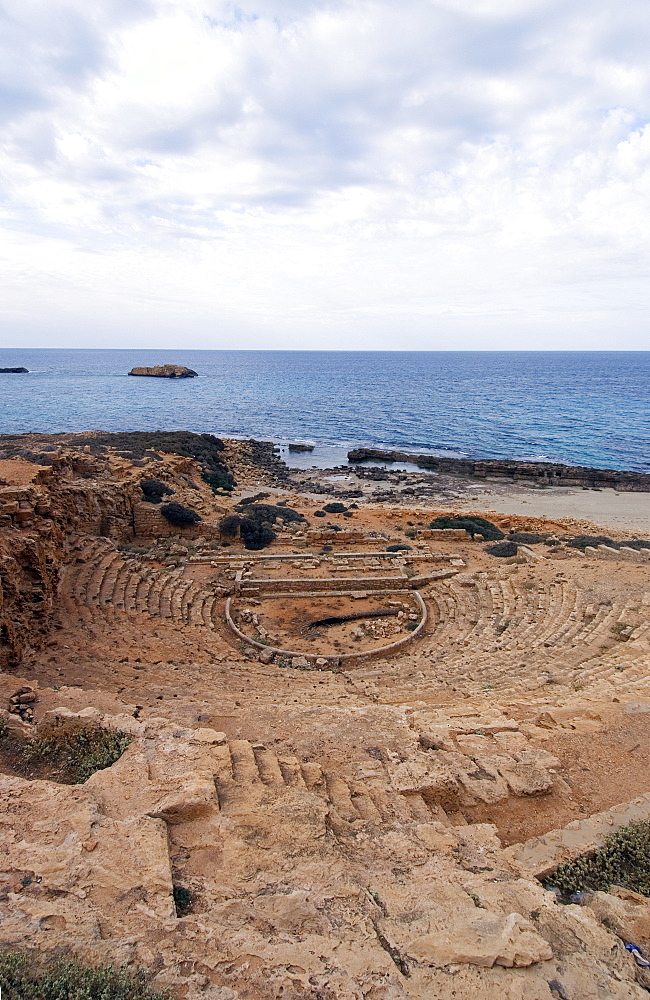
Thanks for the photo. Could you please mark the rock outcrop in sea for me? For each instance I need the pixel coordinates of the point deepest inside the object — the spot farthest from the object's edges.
(513, 470)
(165, 371)
(14, 371)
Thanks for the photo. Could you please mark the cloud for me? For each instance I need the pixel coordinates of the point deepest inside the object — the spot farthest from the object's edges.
(317, 169)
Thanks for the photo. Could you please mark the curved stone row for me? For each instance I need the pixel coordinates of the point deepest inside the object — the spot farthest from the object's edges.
(514, 635)
(506, 632)
(336, 658)
(102, 577)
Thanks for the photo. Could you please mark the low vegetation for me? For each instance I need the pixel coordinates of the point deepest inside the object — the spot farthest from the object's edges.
(179, 516)
(255, 534)
(203, 448)
(473, 526)
(154, 490)
(582, 541)
(253, 499)
(78, 753)
(624, 859)
(270, 513)
(398, 547)
(182, 900)
(254, 523)
(502, 550)
(335, 508)
(24, 976)
(527, 537)
(229, 525)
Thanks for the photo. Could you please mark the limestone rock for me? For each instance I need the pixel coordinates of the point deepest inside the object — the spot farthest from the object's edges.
(481, 938)
(165, 371)
(625, 912)
(194, 799)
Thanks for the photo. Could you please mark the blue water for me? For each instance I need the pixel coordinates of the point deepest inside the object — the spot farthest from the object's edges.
(587, 408)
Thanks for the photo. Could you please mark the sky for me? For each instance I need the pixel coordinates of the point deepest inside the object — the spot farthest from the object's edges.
(323, 174)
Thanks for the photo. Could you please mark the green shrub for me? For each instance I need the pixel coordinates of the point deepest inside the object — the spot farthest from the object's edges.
(24, 976)
(411, 533)
(230, 525)
(503, 550)
(624, 859)
(253, 499)
(582, 541)
(219, 481)
(182, 900)
(154, 490)
(204, 448)
(320, 513)
(473, 525)
(179, 516)
(255, 535)
(267, 512)
(526, 537)
(81, 751)
(335, 508)
(398, 547)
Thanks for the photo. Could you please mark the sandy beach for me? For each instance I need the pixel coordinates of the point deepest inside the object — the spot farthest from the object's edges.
(607, 510)
(604, 508)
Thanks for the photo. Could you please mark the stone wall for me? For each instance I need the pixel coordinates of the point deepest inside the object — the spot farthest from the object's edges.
(30, 555)
(148, 522)
(625, 552)
(540, 856)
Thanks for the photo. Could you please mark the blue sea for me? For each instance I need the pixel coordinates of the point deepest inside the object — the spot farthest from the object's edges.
(589, 408)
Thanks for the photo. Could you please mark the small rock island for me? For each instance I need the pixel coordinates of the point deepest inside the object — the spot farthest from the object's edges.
(165, 371)
(14, 371)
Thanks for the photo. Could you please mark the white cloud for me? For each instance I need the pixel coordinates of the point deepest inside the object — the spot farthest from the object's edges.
(347, 174)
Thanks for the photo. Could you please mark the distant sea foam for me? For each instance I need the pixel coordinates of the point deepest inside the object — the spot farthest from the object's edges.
(588, 408)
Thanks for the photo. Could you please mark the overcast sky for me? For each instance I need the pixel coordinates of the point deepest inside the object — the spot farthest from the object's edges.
(451, 174)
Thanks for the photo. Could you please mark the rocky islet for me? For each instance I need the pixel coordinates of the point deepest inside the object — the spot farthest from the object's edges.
(164, 371)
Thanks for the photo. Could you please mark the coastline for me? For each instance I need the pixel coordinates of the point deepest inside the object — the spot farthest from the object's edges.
(522, 407)
(607, 509)
(621, 512)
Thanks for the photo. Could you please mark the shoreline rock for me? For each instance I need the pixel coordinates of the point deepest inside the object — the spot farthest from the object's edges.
(541, 473)
(14, 371)
(165, 371)
(301, 447)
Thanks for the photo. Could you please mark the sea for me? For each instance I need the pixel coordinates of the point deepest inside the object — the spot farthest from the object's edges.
(584, 408)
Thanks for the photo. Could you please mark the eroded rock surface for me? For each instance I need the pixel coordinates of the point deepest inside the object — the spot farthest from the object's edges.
(372, 831)
(165, 371)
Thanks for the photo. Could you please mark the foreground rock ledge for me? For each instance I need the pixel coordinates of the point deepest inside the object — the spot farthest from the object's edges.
(165, 371)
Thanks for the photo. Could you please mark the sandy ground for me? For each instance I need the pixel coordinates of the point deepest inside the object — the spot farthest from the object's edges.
(604, 508)
(17, 472)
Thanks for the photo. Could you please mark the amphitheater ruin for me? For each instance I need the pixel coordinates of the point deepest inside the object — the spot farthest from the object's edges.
(355, 756)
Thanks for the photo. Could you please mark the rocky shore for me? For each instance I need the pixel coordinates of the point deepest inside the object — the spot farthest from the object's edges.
(542, 473)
